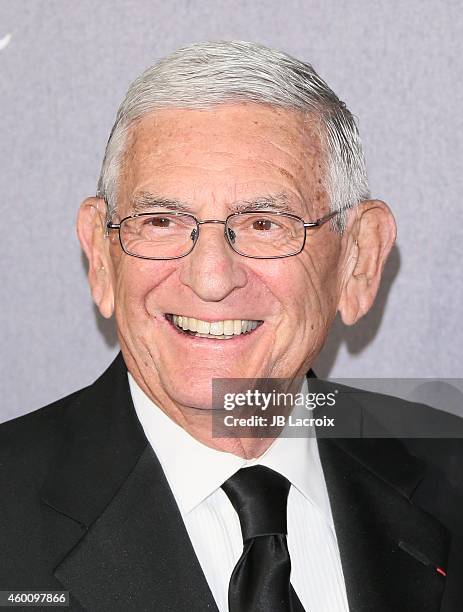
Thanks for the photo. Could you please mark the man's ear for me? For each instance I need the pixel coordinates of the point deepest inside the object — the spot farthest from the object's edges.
(91, 220)
(370, 237)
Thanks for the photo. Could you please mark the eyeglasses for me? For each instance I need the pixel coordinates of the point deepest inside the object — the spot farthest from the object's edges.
(172, 235)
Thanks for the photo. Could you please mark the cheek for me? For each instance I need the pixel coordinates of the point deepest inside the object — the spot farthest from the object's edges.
(306, 287)
(138, 283)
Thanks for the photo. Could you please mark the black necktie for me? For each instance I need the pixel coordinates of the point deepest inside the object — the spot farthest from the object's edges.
(260, 580)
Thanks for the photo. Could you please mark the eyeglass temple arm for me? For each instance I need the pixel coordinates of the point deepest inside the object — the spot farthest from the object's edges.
(322, 220)
(110, 226)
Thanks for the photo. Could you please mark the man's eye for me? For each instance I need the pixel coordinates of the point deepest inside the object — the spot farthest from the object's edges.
(158, 222)
(263, 224)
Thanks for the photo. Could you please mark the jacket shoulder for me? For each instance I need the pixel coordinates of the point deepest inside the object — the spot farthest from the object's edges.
(29, 443)
(28, 440)
(45, 413)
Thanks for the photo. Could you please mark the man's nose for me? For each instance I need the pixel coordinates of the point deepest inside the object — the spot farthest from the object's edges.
(212, 270)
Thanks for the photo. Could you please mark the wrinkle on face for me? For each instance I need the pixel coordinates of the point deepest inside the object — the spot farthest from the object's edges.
(174, 139)
(212, 159)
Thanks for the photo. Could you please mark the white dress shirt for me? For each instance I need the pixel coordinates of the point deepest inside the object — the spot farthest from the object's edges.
(195, 474)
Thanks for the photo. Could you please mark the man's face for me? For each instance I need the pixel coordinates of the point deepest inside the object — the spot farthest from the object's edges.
(213, 161)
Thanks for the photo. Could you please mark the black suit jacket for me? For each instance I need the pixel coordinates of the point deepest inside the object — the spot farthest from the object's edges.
(85, 507)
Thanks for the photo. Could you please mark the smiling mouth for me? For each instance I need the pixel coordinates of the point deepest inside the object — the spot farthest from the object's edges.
(225, 329)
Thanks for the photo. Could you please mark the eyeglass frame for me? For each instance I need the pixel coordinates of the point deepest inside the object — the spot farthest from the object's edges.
(306, 224)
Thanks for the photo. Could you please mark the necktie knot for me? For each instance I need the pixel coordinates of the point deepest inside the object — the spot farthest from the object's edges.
(259, 496)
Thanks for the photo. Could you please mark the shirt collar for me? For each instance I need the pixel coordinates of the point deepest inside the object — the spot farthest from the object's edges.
(194, 471)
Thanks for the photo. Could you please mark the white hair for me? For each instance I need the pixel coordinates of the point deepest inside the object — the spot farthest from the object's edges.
(210, 73)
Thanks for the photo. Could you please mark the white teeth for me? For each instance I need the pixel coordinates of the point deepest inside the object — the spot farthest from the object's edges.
(217, 328)
(222, 330)
(213, 336)
(203, 327)
(228, 327)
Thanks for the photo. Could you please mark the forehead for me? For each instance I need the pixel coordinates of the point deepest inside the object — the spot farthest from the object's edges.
(227, 151)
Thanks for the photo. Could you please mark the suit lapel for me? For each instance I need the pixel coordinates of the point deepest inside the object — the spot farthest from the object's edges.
(128, 549)
(384, 539)
(137, 555)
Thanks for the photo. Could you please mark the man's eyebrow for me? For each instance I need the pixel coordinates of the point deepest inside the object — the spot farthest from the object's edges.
(278, 203)
(144, 201)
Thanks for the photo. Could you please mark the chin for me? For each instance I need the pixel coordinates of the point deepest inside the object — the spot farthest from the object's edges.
(193, 386)
(191, 396)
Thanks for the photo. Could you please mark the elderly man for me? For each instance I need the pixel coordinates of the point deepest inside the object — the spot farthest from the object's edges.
(232, 223)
